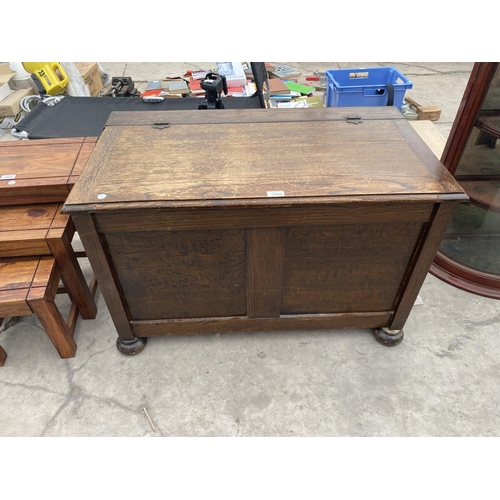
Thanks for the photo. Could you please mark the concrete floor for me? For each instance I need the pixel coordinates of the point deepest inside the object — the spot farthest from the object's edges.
(442, 380)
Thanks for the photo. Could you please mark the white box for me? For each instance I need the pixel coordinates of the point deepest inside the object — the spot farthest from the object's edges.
(5, 91)
(6, 75)
(234, 73)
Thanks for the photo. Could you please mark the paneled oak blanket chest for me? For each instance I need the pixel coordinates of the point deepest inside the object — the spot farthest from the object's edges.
(257, 220)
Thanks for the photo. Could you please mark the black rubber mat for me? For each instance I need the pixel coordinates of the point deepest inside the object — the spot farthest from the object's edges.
(86, 116)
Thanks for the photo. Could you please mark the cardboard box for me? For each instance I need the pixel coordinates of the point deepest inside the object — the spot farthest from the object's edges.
(5, 91)
(11, 105)
(91, 76)
(6, 75)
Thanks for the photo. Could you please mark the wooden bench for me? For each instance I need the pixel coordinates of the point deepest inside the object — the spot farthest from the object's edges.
(44, 171)
(39, 231)
(28, 285)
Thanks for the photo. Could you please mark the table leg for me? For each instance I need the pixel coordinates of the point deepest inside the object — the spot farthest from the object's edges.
(41, 301)
(3, 356)
(72, 276)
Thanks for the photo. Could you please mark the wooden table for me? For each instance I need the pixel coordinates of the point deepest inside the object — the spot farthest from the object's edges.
(41, 171)
(34, 177)
(258, 220)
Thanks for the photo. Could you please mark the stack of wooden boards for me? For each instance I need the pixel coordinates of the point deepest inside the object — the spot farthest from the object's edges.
(36, 249)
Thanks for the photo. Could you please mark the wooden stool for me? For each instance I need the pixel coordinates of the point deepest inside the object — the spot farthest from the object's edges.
(28, 286)
(38, 230)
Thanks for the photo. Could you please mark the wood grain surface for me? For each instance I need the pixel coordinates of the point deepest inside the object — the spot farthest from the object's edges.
(181, 274)
(255, 216)
(265, 255)
(41, 171)
(349, 268)
(182, 117)
(17, 273)
(247, 159)
(111, 290)
(244, 324)
(23, 228)
(23, 243)
(41, 160)
(27, 217)
(85, 152)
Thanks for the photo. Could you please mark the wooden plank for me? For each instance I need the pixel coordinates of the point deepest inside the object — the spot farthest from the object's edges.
(43, 272)
(17, 273)
(265, 258)
(23, 243)
(434, 166)
(430, 135)
(72, 181)
(44, 142)
(38, 160)
(13, 303)
(62, 221)
(246, 325)
(187, 117)
(425, 112)
(27, 217)
(83, 157)
(246, 217)
(39, 190)
(3, 356)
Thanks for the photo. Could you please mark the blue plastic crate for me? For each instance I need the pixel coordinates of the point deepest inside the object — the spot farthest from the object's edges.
(365, 87)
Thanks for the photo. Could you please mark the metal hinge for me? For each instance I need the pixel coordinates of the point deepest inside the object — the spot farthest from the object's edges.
(161, 125)
(353, 119)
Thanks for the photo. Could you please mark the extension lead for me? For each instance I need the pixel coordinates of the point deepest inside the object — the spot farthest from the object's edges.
(29, 102)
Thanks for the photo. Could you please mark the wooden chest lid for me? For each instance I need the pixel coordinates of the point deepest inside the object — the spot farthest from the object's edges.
(170, 158)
